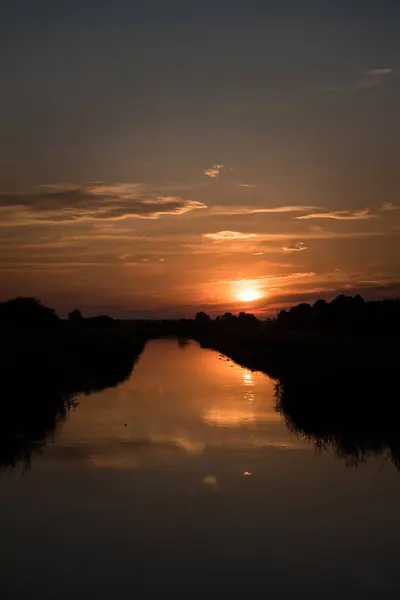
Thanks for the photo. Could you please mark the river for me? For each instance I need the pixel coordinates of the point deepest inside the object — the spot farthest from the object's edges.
(186, 480)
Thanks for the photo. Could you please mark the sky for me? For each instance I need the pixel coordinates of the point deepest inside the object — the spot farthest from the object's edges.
(163, 157)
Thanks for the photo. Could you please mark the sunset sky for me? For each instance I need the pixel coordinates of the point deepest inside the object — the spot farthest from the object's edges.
(160, 157)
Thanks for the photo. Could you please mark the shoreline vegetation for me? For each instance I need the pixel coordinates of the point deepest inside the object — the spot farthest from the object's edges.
(45, 363)
(335, 366)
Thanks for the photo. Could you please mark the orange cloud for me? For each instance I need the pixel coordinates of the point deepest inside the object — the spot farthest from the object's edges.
(253, 210)
(273, 279)
(229, 235)
(66, 203)
(295, 247)
(214, 171)
(341, 215)
(287, 237)
(389, 206)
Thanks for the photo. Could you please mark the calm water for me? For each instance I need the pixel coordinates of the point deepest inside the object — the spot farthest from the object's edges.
(184, 479)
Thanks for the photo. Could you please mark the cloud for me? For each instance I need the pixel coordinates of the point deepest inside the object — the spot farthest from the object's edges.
(272, 280)
(372, 78)
(388, 206)
(214, 171)
(254, 210)
(368, 79)
(229, 235)
(66, 203)
(341, 215)
(124, 256)
(379, 72)
(97, 188)
(246, 185)
(290, 276)
(50, 266)
(287, 237)
(295, 247)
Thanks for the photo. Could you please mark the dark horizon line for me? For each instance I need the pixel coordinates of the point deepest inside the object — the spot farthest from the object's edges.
(274, 310)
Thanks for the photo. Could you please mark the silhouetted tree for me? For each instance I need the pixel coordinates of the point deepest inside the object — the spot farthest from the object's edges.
(320, 305)
(75, 315)
(228, 316)
(27, 312)
(344, 314)
(320, 316)
(202, 317)
(248, 319)
(101, 321)
(283, 317)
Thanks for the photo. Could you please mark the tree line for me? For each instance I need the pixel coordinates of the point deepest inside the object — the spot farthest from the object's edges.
(344, 313)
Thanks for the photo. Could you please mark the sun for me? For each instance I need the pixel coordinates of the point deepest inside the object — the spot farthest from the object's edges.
(247, 291)
(248, 294)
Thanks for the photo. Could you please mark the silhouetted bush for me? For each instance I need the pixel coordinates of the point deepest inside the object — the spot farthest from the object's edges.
(26, 312)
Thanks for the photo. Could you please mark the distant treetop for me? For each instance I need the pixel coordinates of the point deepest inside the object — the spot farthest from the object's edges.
(27, 312)
(75, 315)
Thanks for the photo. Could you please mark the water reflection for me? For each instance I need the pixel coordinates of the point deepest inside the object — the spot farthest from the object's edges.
(248, 378)
(178, 401)
(35, 405)
(173, 476)
(184, 401)
(351, 414)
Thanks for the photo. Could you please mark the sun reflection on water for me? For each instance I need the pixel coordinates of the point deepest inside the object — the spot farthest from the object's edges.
(248, 378)
(176, 403)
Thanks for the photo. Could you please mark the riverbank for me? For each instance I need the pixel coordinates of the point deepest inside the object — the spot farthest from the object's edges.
(42, 370)
(336, 392)
(277, 354)
(330, 379)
